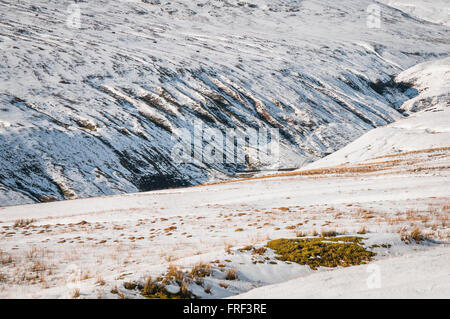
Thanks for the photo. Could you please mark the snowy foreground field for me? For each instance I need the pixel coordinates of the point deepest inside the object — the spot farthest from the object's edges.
(108, 247)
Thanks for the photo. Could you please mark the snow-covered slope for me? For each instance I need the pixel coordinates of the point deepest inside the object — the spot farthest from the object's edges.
(426, 129)
(91, 111)
(436, 11)
(432, 82)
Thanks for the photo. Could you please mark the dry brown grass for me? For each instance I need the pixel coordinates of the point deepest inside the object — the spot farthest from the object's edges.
(174, 273)
(428, 150)
(184, 289)
(148, 287)
(223, 285)
(38, 266)
(362, 231)
(85, 276)
(231, 274)
(337, 215)
(207, 289)
(329, 233)
(115, 290)
(130, 285)
(100, 281)
(366, 213)
(335, 170)
(368, 167)
(415, 234)
(169, 229)
(201, 270)
(6, 259)
(259, 251)
(19, 223)
(246, 248)
(300, 234)
(228, 248)
(76, 293)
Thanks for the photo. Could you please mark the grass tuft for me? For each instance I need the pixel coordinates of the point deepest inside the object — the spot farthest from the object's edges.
(329, 233)
(76, 293)
(415, 234)
(231, 274)
(23, 222)
(201, 270)
(362, 231)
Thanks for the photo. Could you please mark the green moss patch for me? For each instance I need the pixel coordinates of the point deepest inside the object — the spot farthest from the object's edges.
(322, 251)
(157, 290)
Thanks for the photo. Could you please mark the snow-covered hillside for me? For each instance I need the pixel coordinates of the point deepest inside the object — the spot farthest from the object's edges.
(427, 129)
(90, 111)
(436, 11)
